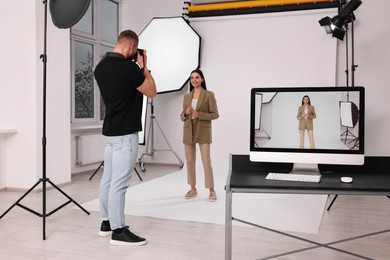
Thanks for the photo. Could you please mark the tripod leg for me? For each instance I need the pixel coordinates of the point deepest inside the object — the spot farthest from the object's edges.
(93, 174)
(20, 199)
(150, 136)
(70, 200)
(43, 215)
(330, 205)
(181, 164)
(137, 174)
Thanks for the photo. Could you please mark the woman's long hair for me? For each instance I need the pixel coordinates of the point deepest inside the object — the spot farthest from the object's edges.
(306, 96)
(203, 84)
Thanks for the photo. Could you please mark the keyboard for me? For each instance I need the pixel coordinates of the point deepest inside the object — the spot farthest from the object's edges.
(293, 177)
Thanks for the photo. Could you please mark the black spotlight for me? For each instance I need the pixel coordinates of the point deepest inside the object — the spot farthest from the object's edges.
(335, 25)
(66, 13)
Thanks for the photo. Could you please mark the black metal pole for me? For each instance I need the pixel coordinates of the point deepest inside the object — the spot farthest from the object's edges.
(44, 60)
(346, 57)
(353, 66)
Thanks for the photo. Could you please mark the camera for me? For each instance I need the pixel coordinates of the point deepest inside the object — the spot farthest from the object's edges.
(140, 51)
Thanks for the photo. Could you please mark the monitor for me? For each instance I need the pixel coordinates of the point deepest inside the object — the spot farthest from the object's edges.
(307, 126)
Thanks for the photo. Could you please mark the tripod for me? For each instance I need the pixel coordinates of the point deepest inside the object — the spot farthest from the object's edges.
(151, 139)
(346, 133)
(102, 164)
(44, 180)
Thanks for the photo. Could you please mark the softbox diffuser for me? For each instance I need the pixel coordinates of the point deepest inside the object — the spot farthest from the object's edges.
(173, 49)
(349, 114)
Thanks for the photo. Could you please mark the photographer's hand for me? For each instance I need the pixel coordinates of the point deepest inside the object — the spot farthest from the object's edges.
(148, 88)
(141, 59)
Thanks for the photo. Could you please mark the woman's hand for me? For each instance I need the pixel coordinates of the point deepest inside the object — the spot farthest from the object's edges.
(195, 114)
(189, 110)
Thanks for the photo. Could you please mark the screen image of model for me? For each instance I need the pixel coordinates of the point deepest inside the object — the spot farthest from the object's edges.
(306, 120)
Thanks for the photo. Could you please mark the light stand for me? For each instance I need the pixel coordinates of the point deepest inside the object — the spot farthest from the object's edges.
(151, 139)
(355, 139)
(347, 132)
(338, 26)
(353, 68)
(44, 179)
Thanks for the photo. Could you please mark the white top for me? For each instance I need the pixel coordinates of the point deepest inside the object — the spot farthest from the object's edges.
(193, 104)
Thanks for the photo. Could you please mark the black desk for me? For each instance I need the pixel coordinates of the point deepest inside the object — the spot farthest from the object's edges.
(372, 178)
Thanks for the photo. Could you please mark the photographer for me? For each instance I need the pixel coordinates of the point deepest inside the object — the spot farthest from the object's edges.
(122, 83)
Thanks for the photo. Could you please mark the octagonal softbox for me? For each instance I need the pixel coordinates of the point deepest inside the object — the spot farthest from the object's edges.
(173, 49)
(66, 13)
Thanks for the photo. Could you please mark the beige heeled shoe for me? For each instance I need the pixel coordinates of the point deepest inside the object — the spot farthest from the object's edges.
(191, 194)
(212, 196)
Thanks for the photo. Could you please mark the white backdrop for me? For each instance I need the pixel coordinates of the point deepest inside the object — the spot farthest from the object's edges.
(372, 38)
(264, 50)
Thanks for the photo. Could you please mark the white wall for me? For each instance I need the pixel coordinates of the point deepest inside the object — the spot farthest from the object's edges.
(18, 99)
(21, 96)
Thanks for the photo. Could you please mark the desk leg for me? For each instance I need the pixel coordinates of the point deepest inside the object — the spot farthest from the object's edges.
(228, 225)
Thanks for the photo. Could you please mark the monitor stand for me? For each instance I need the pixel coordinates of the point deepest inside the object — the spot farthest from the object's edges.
(305, 168)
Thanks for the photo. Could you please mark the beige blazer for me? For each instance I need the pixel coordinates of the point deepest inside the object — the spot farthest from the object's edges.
(308, 123)
(207, 108)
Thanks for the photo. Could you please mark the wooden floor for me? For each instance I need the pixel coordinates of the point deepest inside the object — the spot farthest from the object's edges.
(72, 234)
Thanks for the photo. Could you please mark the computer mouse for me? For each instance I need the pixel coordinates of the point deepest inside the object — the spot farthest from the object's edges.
(346, 179)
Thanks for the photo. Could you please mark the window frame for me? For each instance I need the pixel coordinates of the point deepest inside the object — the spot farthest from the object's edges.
(94, 40)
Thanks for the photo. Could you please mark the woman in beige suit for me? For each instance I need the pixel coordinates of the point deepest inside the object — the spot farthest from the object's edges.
(306, 114)
(199, 108)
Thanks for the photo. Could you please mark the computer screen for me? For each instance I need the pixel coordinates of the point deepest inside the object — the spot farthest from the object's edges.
(307, 125)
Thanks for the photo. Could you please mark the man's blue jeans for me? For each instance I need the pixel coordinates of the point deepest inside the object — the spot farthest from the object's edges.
(120, 155)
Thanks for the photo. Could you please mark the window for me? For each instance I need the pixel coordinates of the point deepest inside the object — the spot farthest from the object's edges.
(91, 38)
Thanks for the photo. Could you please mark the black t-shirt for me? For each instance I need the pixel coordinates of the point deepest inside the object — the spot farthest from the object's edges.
(118, 79)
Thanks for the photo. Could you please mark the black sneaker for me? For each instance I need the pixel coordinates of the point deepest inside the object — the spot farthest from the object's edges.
(105, 229)
(123, 237)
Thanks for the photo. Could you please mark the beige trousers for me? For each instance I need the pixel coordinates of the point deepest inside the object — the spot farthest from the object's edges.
(190, 152)
(302, 138)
